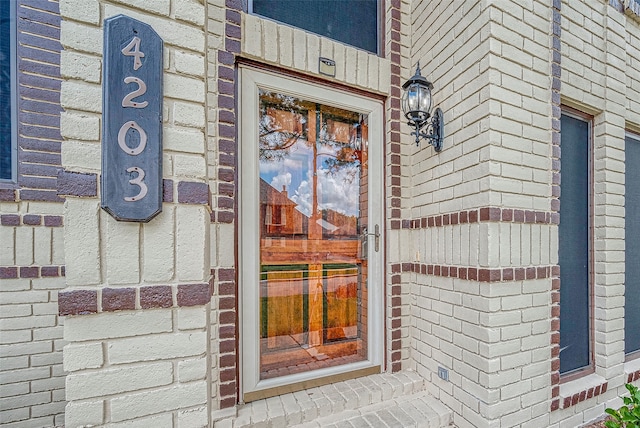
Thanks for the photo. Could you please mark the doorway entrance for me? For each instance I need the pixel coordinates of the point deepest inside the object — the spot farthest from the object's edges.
(311, 193)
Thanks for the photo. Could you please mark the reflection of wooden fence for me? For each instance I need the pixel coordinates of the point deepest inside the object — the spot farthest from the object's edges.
(287, 251)
(296, 299)
(340, 315)
(284, 304)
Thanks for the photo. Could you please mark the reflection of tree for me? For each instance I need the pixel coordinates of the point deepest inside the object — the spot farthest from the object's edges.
(274, 141)
(283, 122)
(347, 156)
(276, 138)
(346, 162)
(334, 137)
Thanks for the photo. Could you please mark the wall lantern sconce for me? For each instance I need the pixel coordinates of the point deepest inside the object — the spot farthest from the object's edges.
(416, 105)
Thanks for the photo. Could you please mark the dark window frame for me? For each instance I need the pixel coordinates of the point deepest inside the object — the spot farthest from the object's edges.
(379, 27)
(590, 367)
(13, 102)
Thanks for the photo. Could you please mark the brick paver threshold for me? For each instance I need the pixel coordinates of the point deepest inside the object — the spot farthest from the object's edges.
(381, 400)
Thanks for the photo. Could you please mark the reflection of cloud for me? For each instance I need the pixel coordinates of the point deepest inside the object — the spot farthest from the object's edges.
(280, 181)
(302, 197)
(338, 191)
(267, 167)
(298, 154)
(326, 150)
(291, 172)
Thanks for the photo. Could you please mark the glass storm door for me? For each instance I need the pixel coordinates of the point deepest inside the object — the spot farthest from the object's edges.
(310, 232)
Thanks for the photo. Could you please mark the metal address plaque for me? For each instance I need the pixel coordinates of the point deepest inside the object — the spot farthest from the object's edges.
(131, 183)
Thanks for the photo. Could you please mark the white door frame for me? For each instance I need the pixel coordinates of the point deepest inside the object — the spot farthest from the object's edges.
(249, 230)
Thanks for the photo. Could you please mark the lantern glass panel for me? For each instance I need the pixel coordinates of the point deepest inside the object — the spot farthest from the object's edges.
(424, 99)
(416, 102)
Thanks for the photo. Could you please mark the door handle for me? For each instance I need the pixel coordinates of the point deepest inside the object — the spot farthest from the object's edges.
(366, 234)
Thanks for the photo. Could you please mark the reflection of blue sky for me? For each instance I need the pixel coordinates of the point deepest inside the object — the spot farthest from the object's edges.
(338, 190)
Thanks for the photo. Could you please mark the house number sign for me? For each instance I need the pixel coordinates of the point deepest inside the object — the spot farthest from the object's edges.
(131, 183)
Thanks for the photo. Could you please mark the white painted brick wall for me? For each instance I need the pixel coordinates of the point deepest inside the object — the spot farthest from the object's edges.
(490, 68)
(483, 89)
(118, 380)
(31, 378)
(80, 37)
(189, 166)
(281, 45)
(83, 356)
(179, 396)
(191, 11)
(524, 315)
(80, 126)
(192, 262)
(84, 413)
(82, 241)
(161, 351)
(597, 77)
(24, 246)
(30, 333)
(151, 348)
(158, 247)
(122, 255)
(79, 66)
(76, 95)
(102, 252)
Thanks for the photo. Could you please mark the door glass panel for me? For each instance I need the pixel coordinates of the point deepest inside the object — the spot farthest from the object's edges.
(313, 230)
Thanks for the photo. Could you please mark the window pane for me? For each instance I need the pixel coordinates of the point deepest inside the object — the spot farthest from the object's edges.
(5, 90)
(574, 245)
(632, 246)
(354, 22)
(313, 267)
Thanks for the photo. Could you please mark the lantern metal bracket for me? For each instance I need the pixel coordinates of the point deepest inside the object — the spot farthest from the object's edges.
(434, 130)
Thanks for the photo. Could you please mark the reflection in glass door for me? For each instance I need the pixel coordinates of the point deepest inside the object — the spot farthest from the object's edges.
(313, 214)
